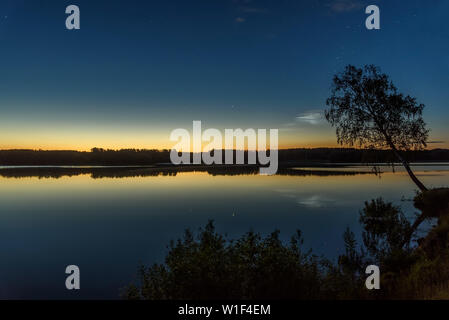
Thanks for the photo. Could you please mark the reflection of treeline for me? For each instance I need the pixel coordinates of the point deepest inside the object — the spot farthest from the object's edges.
(128, 172)
(98, 156)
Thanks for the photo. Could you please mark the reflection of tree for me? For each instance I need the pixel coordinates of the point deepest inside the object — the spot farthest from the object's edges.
(129, 172)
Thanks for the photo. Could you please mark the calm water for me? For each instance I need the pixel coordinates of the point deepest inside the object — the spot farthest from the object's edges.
(109, 224)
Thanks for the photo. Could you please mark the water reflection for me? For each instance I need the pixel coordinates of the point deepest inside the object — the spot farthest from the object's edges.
(127, 172)
(109, 226)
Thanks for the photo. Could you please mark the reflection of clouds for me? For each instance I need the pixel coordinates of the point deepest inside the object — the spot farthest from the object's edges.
(310, 201)
(315, 201)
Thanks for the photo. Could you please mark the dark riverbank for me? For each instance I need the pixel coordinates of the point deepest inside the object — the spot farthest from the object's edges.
(142, 157)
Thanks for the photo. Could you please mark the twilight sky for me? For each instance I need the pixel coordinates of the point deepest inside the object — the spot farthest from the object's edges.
(138, 69)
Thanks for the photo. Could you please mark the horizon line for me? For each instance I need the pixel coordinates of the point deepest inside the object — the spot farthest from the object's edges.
(165, 149)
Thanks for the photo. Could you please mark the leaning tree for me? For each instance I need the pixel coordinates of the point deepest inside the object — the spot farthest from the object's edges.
(367, 111)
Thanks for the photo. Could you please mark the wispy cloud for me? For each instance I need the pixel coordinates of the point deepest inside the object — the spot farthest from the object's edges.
(341, 6)
(311, 117)
(240, 19)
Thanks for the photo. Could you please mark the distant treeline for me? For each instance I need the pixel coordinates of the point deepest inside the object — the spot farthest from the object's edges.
(126, 157)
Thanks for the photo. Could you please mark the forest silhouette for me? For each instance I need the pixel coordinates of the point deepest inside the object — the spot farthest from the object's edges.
(127, 157)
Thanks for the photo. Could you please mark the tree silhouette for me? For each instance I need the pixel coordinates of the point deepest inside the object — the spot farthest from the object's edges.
(368, 111)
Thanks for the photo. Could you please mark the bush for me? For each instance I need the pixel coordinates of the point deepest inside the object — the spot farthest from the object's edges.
(211, 267)
(433, 203)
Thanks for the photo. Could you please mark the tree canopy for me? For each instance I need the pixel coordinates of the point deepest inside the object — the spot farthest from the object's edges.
(368, 111)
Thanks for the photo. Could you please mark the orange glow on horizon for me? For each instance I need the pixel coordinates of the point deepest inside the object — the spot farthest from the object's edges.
(156, 140)
(165, 147)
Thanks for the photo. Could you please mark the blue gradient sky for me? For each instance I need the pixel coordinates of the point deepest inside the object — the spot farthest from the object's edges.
(138, 69)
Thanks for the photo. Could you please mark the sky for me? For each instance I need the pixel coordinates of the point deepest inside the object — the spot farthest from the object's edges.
(136, 70)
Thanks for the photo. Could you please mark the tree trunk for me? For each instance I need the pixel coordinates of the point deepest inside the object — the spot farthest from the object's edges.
(420, 185)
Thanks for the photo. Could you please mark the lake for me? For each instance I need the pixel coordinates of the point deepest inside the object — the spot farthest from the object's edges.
(108, 221)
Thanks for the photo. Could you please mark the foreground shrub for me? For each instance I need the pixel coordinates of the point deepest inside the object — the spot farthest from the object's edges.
(211, 267)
